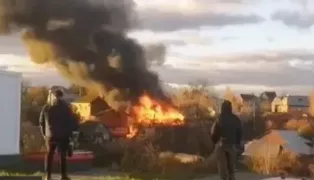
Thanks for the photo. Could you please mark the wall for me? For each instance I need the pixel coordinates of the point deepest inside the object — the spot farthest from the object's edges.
(248, 107)
(265, 106)
(280, 108)
(296, 109)
(10, 113)
(280, 105)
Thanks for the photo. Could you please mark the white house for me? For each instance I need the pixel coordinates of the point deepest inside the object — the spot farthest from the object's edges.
(290, 103)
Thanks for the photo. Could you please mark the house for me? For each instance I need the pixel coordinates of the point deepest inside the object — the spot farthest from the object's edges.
(89, 106)
(276, 142)
(291, 104)
(266, 98)
(249, 103)
(117, 122)
(67, 94)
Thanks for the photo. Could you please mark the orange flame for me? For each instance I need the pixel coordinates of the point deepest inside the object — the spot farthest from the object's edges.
(132, 132)
(150, 112)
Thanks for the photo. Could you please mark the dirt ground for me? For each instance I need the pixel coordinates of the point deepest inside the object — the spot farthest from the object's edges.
(239, 175)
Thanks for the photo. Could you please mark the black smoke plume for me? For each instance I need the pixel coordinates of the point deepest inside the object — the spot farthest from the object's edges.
(85, 40)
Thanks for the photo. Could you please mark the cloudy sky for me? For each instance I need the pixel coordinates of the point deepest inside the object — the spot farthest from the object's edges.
(249, 45)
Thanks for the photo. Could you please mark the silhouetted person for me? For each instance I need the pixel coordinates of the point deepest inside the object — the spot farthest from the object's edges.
(226, 135)
(57, 124)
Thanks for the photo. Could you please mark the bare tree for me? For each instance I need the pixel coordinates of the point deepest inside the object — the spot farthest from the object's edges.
(202, 85)
(197, 101)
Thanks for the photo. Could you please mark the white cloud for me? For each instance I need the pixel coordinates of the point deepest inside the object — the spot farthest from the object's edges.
(190, 6)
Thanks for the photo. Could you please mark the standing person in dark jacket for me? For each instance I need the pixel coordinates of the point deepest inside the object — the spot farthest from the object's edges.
(57, 124)
(226, 135)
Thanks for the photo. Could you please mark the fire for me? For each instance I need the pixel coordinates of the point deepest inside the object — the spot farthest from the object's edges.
(132, 132)
(151, 112)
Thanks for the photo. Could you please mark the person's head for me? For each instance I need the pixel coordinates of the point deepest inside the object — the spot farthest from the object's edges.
(58, 94)
(226, 107)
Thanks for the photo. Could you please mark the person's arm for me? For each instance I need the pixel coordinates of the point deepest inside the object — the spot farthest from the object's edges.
(215, 133)
(42, 120)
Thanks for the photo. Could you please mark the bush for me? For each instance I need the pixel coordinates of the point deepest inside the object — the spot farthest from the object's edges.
(31, 139)
(286, 163)
(142, 156)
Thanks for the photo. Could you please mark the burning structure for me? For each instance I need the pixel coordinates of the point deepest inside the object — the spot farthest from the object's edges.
(86, 42)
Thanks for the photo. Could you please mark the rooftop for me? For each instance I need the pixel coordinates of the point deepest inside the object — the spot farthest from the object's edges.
(271, 142)
(247, 97)
(270, 95)
(298, 101)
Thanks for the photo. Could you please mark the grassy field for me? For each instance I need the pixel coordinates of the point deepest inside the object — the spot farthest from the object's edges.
(112, 176)
(148, 176)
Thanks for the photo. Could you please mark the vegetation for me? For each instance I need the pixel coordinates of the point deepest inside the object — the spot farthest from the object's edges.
(141, 157)
(33, 99)
(196, 103)
(286, 163)
(200, 105)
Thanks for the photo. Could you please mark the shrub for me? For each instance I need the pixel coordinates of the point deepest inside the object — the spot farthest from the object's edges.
(143, 156)
(286, 163)
(31, 139)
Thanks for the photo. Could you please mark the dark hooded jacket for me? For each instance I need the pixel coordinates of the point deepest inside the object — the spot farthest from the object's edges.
(57, 120)
(227, 128)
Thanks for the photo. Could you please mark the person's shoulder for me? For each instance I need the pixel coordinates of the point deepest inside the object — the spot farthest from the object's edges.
(62, 102)
(66, 105)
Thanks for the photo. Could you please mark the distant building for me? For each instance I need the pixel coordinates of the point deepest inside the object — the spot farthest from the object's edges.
(266, 98)
(249, 103)
(275, 142)
(291, 104)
